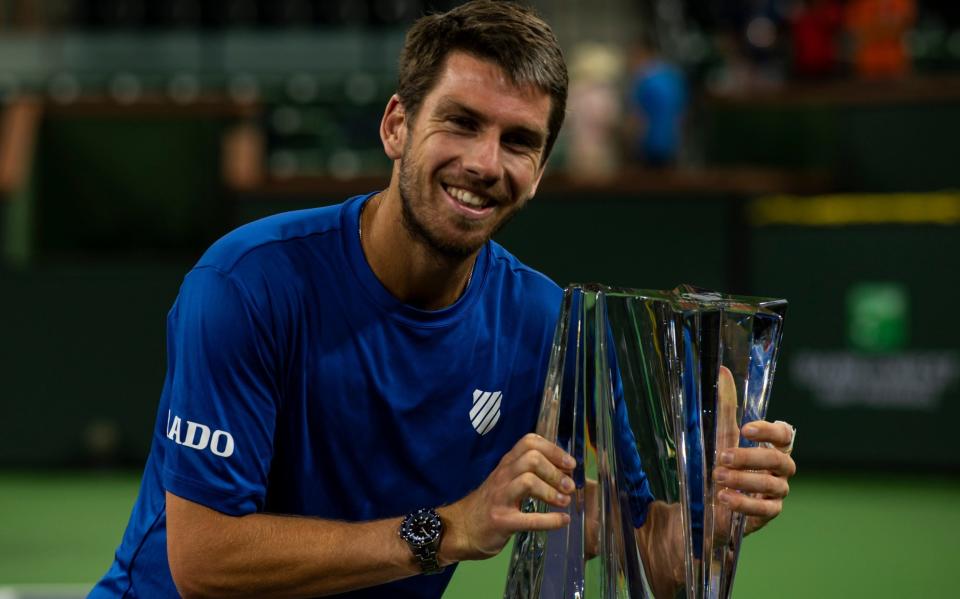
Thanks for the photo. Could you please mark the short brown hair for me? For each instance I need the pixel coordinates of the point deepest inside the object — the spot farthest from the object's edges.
(511, 36)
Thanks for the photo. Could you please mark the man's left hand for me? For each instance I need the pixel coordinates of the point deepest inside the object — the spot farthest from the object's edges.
(761, 474)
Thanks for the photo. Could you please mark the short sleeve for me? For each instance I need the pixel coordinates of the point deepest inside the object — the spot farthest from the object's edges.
(221, 395)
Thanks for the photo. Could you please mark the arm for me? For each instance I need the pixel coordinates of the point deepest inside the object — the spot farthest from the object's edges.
(215, 555)
(660, 540)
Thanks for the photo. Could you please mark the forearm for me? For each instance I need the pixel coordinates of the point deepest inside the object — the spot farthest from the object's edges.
(261, 555)
(661, 543)
(215, 555)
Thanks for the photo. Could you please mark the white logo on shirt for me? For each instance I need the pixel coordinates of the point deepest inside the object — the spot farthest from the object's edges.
(198, 436)
(486, 410)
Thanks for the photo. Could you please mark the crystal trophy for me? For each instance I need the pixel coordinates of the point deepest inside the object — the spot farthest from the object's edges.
(646, 389)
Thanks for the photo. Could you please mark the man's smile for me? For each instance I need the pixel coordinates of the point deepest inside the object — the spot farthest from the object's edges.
(472, 203)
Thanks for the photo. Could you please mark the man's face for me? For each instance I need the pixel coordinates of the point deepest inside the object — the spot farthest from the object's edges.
(472, 156)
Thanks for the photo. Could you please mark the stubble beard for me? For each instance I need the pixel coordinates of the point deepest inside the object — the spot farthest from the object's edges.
(419, 230)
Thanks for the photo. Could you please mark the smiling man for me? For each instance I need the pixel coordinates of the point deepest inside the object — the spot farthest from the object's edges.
(350, 390)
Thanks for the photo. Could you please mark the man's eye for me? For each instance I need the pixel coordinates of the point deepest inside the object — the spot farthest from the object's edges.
(518, 142)
(462, 122)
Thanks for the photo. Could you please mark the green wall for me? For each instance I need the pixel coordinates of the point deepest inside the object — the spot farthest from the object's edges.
(868, 146)
(908, 415)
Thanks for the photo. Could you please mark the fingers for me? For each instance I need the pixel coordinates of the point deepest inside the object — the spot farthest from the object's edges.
(728, 428)
(760, 507)
(534, 462)
(483, 521)
(759, 458)
(763, 483)
(779, 434)
(533, 442)
(535, 521)
(755, 478)
(536, 468)
(529, 484)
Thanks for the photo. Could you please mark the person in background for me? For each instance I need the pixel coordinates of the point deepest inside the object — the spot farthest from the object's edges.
(816, 29)
(877, 29)
(657, 104)
(594, 113)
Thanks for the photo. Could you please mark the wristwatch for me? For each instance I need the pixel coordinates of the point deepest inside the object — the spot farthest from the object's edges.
(422, 531)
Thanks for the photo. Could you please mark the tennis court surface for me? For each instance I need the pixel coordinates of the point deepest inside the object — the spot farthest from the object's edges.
(843, 536)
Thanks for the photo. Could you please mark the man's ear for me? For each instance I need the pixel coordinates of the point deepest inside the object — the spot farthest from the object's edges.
(393, 128)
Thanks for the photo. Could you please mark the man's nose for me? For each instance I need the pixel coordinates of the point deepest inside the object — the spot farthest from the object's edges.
(482, 157)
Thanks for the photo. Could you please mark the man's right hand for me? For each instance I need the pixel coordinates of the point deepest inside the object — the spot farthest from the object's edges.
(479, 525)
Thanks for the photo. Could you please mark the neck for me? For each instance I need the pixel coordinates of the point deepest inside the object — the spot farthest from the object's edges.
(411, 271)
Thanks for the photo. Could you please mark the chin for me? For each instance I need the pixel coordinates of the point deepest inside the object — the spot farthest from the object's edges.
(457, 249)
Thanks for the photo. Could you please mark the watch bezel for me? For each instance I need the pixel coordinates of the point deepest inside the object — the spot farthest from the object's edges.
(425, 519)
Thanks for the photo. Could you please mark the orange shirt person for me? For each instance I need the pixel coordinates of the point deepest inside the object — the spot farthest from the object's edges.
(877, 29)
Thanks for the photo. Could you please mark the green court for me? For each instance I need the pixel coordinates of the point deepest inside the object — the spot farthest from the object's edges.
(841, 536)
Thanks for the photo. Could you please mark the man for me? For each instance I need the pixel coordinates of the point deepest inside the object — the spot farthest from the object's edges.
(322, 364)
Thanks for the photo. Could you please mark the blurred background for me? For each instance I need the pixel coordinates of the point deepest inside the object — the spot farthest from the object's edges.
(789, 148)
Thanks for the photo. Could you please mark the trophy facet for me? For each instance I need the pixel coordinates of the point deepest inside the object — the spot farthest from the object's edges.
(646, 389)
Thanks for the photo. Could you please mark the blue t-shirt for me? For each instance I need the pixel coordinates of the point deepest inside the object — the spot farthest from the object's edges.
(297, 384)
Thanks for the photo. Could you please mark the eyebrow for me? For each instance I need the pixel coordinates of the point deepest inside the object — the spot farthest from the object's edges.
(536, 137)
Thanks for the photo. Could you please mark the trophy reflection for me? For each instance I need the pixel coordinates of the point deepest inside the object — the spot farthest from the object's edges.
(645, 389)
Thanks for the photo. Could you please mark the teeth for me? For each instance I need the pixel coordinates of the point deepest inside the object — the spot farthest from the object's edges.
(465, 197)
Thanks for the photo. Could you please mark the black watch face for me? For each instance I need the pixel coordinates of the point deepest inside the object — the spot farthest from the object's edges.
(421, 528)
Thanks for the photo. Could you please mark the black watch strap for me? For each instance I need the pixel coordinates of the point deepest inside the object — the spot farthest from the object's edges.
(427, 556)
